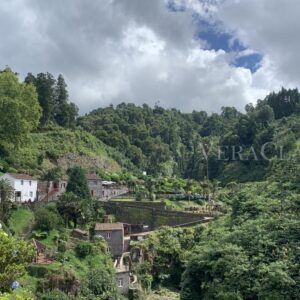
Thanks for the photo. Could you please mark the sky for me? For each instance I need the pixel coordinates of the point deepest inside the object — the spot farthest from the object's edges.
(187, 54)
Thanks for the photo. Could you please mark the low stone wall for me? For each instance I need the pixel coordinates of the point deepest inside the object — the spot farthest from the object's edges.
(148, 204)
(152, 214)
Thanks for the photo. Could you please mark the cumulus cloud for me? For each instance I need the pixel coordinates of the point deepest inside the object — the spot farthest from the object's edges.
(271, 27)
(145, 51)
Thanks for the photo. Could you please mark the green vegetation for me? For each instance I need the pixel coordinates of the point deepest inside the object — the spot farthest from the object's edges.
(248, 162)
(47, 219)
(20, 111)
(83, 249)
(6, 193)
(15, 255)
(168, 142)
(68, 274)
(250, 253)
(20, 221)
(77, 183)
(60, 147)
(53, 99)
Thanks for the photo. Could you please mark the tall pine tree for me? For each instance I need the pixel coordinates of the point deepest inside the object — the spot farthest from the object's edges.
(65, 112)
(44, 84)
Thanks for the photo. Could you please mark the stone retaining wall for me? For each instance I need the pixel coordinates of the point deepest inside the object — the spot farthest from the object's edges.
(152, 214)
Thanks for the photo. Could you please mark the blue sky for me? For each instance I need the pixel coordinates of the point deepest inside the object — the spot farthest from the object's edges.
(217, 39)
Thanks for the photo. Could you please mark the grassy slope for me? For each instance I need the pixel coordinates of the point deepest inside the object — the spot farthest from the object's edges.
(20, 220)
(44, 150)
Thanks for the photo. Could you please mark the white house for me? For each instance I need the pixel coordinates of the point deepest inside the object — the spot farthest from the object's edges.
(25, 186)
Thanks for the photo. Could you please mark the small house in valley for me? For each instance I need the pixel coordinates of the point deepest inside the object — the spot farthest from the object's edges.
(24, 187)
(95, 185)
(113, 233)
(51, 190)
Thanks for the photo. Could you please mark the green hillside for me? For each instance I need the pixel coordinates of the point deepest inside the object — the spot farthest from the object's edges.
(198, 145)
(57, 146)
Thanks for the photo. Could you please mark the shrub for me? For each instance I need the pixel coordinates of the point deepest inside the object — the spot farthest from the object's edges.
(46, 219)
(84, 249)
(37, 270)
(61, 246)
(63, 280)
(139, 196)
(39, 235)
(54, 295)
(101, 282)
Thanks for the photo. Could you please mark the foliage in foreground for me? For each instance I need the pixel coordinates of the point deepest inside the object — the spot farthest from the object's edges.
(250, 253)
(15, 256)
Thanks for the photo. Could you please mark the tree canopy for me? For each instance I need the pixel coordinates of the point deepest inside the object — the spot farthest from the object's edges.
(20, 111)
(15, 255)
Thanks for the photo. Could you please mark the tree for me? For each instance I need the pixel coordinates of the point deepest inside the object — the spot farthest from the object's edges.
(65, 113)
(71, 112)
(52, 174)
(264, 115)
(19, 109)
(46, 219)
(6, 194)
(71, 208)
(283, 103)
(77, 183)
(215, 272)
(84, 249)
(246, 129)
(45, 84)
(102, 283)
(15, 255)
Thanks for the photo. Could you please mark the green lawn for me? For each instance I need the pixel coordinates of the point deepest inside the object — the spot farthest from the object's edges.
(20, 220)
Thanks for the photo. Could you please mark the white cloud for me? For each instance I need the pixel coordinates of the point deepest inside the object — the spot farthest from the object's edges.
(140, 51)
(271, 27)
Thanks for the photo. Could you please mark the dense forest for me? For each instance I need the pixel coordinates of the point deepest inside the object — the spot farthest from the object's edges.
(168, 142)
(248, 161)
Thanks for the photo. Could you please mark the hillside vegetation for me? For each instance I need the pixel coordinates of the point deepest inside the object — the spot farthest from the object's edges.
(57, 146)
(169, 142)
(249, 163)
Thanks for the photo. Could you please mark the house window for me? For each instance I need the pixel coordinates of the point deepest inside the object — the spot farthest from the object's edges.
(92, 192)
(30, 182)
(120, 282)
(108, 250)
(31, 194)
(22, 182)
(108, 235)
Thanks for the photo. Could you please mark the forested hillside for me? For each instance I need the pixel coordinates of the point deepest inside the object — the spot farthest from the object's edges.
(229, 146)
(250, 248)
(38, 129)
(168, 142)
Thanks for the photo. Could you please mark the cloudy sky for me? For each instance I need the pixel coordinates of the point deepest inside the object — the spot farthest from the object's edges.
(188, 54)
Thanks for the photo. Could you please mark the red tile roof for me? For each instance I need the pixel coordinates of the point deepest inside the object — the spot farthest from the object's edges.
(109, 226)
